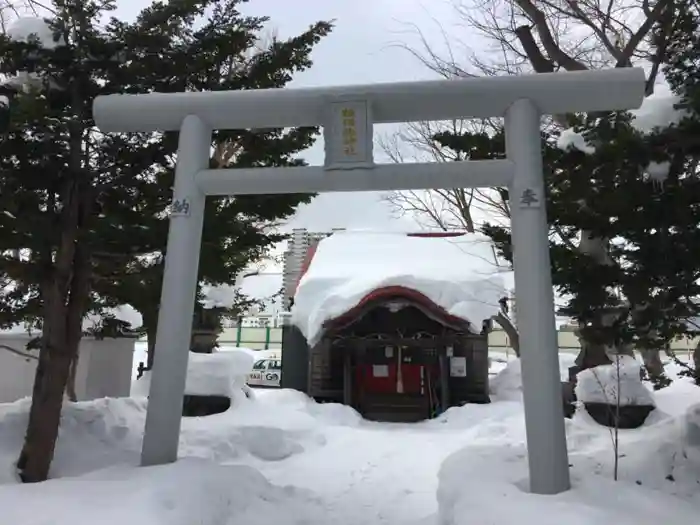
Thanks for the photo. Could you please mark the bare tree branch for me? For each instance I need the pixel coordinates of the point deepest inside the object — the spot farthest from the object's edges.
(20, 353)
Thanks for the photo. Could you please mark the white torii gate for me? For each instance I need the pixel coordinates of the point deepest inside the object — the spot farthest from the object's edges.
(347, 115)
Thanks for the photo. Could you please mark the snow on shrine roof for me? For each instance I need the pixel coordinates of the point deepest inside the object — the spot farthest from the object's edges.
(458, 274)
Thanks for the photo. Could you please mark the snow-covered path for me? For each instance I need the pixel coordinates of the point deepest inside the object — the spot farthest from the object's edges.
(384, 473)
(373, 475)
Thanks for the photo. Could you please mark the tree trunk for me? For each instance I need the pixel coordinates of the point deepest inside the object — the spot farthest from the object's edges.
(42, 432)
(510, 330)
(70, 386)
(62, 334)
(47, 395)
(41, 372)
(591, 355)
(652, 362)
(594, 354)
(696, 363)
(66, 293)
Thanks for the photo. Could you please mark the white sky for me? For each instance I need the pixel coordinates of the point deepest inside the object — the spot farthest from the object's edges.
(363, 48)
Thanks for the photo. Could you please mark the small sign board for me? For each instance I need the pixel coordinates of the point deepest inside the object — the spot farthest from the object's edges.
(458, 367)
(348, 134)
(380, 371)
(529, 198)
(180, 208)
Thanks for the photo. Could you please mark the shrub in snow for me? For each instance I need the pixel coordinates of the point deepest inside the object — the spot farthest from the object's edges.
(617, 383)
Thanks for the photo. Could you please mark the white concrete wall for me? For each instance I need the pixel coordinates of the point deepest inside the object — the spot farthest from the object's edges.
(104, 368)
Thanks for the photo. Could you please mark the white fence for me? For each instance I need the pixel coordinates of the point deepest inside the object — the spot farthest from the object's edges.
(104, 368)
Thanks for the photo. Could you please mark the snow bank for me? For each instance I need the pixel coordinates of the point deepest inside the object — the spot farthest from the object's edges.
(222, 373)
(656, 456)
(620, 380)
(351, 471)
(218, 374)
(488, 485)
(692, 434)
(184, 493)
(508, 384)
(273, 426)
(93, 435)
(256, 354)
(458, 274)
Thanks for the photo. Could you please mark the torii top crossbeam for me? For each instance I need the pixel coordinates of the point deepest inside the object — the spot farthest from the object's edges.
(483, 97)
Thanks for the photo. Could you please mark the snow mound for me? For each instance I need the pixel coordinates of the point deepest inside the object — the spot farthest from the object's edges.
(293, 409)
(356, 469)
(692, 434)
(458, 274)
(334, 414)
(508, 383)
(222, 373)
(656, 456)
(107, 432)
(218, 374)
(692, 424)
(618, 382)
(184, 493)
(489, 485)
(496, 423)
(93, 435)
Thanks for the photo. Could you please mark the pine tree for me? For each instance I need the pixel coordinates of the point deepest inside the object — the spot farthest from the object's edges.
(217, 56)
(82, 210)
(635, 194)
(682, 72)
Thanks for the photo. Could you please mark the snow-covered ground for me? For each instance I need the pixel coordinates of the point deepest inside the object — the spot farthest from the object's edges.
(281, 458)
